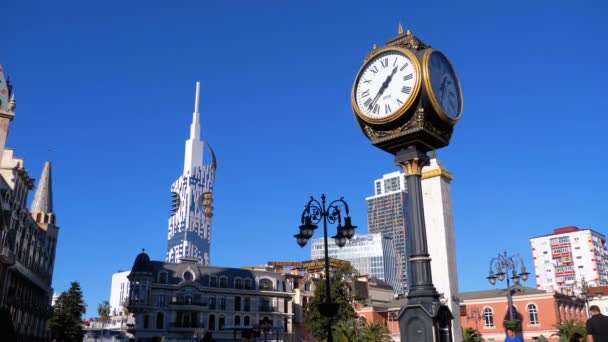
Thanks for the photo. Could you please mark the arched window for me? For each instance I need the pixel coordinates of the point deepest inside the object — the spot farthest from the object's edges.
(238, 283)
(265, 284)
(246, 321)
(532, 314)
(488, 317)
(211, 322)
(160, 320)
(237, 320)
(162, 277)
(222, 322)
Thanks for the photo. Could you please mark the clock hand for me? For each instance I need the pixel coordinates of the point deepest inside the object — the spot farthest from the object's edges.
(383, 87)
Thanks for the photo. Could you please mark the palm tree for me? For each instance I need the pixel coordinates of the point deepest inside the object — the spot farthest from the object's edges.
(344, 332)
(376, 332)
(103, 309)
(471, 335)
(567, 329)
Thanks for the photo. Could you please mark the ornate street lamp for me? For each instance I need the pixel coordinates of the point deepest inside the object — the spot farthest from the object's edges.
(504, 264)
(586, 294)
(335, 212)
(475, 314)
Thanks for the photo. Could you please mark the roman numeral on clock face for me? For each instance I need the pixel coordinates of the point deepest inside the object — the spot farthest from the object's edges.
(387, 108)
(406, 89)
(384, 62)
(368, 102)
(365, 93)
(404, 66)
(376, 108)
(374, 69)
(408, 77)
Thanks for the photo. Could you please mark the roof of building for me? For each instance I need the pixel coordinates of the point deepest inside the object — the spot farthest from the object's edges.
(142, 263)
(43, 198)
(568, 229)
(519, 290)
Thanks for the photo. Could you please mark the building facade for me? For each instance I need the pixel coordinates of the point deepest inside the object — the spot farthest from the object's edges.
(186, 300)
(119, 292)
(189, 234)
(373, 255)
(538, 310)
(569, 256)
(387, 213)
(28, 237)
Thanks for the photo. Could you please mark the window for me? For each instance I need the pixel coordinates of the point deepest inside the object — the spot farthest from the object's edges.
(222, 322)
(162, 277)
(265, 305)
(188, 276)
(211, 303)
(532, 314)
(248, 284)
(211, 322)
(238, 283)
(247, 304)
(246, 321)
(160, 320)
(223, 282)
(146, 321)
(160, 301)
(237, 303)
(265, 284)
(213, 281)
(222, 303)
(237, 320)
(488, 317)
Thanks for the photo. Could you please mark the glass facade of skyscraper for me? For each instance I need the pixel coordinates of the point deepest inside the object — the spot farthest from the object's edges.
(387, 213)
(372, 254)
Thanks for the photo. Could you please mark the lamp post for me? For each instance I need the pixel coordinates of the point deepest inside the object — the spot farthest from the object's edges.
(585, 294)
(505, 264)
(315, 212)
(474, 314)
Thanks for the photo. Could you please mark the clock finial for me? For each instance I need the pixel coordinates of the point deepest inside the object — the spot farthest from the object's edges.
(400, 29)
(374, 47)
(198, 87)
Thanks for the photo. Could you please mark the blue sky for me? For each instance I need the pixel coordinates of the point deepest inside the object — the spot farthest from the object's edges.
(109, 86)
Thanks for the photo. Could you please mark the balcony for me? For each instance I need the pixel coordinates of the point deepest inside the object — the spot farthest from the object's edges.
(264, 308)
(186, 326)
(188, 304)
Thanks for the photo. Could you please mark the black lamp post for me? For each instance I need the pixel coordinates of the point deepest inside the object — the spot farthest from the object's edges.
(474, 314)
(584, 291)
(504, 264)
(313, 213)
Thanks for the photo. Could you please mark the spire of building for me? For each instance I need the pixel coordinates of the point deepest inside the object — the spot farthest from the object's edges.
(43, 198)
(194, 145)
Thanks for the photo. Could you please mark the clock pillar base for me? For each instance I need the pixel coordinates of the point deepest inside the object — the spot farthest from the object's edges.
(424, 318)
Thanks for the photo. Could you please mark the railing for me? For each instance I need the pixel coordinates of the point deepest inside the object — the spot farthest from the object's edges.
(187, 325)
(267, 309)
(191, 302)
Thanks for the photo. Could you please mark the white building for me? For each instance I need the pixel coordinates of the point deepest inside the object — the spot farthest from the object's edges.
(373, 255)
(569, 256)
(189, 233)
(119, 292)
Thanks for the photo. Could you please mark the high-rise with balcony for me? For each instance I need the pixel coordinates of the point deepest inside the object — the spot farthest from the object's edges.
(569, 256)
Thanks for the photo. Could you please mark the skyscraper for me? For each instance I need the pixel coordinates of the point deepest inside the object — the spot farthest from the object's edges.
(189, 233)
(371, 254)
(387, 214)
(567, 256)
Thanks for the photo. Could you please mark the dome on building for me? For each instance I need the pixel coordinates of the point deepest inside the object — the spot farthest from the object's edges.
(142, 263)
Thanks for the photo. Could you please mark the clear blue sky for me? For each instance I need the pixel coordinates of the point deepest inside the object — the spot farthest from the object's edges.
(109, 87)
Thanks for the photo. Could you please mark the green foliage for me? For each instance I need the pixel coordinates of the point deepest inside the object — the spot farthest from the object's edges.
(376, 332)
(471, 335)
(317, 323)
(364, 332)
(567, 329)
(344, 332)
(67, 312)
(103, 309)
(512, 324)
(542, 338)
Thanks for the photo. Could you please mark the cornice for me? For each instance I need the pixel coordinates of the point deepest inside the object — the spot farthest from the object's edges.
(437, 172)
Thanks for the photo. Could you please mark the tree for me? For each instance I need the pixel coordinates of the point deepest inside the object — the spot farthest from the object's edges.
(103, 310)
(471, 335)
(340, 294)
(67, 313)
(567, 329)
(376, 332)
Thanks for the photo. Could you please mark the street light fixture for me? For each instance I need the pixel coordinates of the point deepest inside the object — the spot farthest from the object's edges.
(475, 314)
(335, 212)
(508, 263)
(586, 294)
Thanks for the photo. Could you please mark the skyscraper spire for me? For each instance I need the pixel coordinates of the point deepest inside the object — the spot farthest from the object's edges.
(43, 198)
(194, 146)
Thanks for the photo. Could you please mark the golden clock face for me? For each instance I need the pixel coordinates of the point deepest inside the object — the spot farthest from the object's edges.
(442, 86)
(386, 85)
